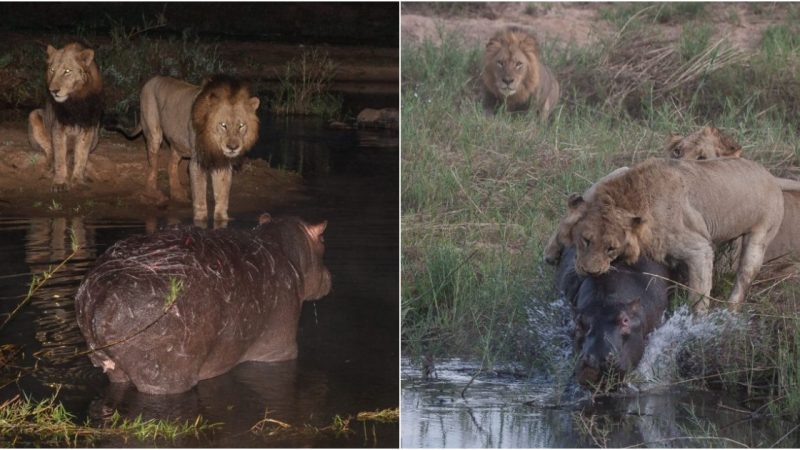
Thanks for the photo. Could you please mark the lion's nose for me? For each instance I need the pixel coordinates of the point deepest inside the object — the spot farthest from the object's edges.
(508, 80)
(232, 145)
(54, 91)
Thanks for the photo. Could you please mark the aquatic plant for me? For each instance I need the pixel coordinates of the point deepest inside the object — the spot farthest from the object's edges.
(305, 85)
(47, 422)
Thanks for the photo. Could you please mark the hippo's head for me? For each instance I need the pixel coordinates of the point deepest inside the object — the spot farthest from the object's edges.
(609, 339)
(304, 245)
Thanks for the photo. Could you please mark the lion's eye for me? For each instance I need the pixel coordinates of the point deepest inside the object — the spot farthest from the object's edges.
(67, 71)
(586, 242)
(52, 70)
(500, 63)
(223, 125)
(701, 157)
(519, 64)
(677, 153)
(611, 250)
(241, 126)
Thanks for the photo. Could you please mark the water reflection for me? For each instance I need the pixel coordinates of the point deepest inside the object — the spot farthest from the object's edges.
(508, 411)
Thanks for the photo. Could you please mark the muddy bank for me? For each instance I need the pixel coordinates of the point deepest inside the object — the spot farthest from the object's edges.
(116, 175)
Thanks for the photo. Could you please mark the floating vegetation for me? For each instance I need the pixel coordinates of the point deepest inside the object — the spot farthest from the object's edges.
(340, 426)
(47, 422)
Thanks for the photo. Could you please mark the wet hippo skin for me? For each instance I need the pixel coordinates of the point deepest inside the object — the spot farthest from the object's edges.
(613, 314)
(239, 297)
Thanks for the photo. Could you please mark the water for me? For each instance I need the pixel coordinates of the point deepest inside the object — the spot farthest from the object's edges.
(348, 349)
(510, 410)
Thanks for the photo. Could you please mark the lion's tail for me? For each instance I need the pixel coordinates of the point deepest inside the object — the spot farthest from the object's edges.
(787, 184)
(112, 124)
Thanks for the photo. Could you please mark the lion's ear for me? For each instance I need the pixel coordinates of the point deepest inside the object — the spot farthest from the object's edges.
(494, 44)
(530, 45)
(672, 145)
(732, 148)
(605, 200)
(50, 50)
(574, 201)
(254, 102)
(86, 57)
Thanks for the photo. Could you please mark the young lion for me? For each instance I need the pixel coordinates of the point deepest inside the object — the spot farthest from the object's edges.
(72, 111)
(707, 143)
(514, 75)
(674, 210)
(214, 124)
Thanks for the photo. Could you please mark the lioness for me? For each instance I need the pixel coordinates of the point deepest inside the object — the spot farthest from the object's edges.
(514, 75)
(707, 143)
(71, 112)
(674, 210)
(213, 124)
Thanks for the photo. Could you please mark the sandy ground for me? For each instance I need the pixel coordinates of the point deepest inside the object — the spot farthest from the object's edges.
(116, 175)
(740, 23)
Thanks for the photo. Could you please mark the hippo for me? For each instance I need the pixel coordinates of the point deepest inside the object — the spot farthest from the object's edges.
(613, 314)
(166, 310)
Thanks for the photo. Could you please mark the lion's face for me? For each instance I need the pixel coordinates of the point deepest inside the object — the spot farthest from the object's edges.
(68, 70)
(511, 67)
(602, 235)
(233, 125)
(512, 59)
(708, 143)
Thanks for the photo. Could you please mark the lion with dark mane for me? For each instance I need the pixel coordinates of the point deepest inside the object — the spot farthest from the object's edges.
(72, 112)
(213, 124)
(514, 76)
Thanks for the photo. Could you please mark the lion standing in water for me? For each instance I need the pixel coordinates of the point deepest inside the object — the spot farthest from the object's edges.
(214, 124)
(72, 112)
(514, 75)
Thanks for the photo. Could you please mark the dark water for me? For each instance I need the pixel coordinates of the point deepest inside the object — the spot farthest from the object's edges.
(528, 412)
(348, 341)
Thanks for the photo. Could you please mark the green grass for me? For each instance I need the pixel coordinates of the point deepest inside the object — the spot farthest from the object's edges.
(48, 423)
(305, 85)
(481, 195)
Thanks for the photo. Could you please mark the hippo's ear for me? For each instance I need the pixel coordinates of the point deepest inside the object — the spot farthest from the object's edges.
(574, 201)
(264, 218)
(317, 230)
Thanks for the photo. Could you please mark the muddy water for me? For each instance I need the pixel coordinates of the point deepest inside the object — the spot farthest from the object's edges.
(348, 359)
(512, 410)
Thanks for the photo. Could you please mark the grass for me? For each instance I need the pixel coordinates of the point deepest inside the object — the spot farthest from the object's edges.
(480, 195)
(339, 427)
(47, 422)
(305, 85)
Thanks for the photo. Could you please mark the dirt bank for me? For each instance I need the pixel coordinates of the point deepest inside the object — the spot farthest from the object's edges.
(742, 24)
(116, 174)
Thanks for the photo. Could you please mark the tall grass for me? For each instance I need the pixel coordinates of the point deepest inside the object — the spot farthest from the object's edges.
(305, 85)
(480, 195)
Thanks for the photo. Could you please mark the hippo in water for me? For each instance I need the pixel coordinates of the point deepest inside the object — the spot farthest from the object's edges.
(613, 313)
(166, 310)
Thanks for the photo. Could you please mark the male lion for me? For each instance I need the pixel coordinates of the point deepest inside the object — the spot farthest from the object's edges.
(514, 75)
(72, 111)
(674, 210)
(214, 124)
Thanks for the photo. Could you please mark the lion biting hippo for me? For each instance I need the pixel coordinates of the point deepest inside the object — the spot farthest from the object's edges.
(166, 310)
(675, 210)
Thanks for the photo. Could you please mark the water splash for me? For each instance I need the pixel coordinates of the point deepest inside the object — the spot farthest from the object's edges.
(659, 365)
